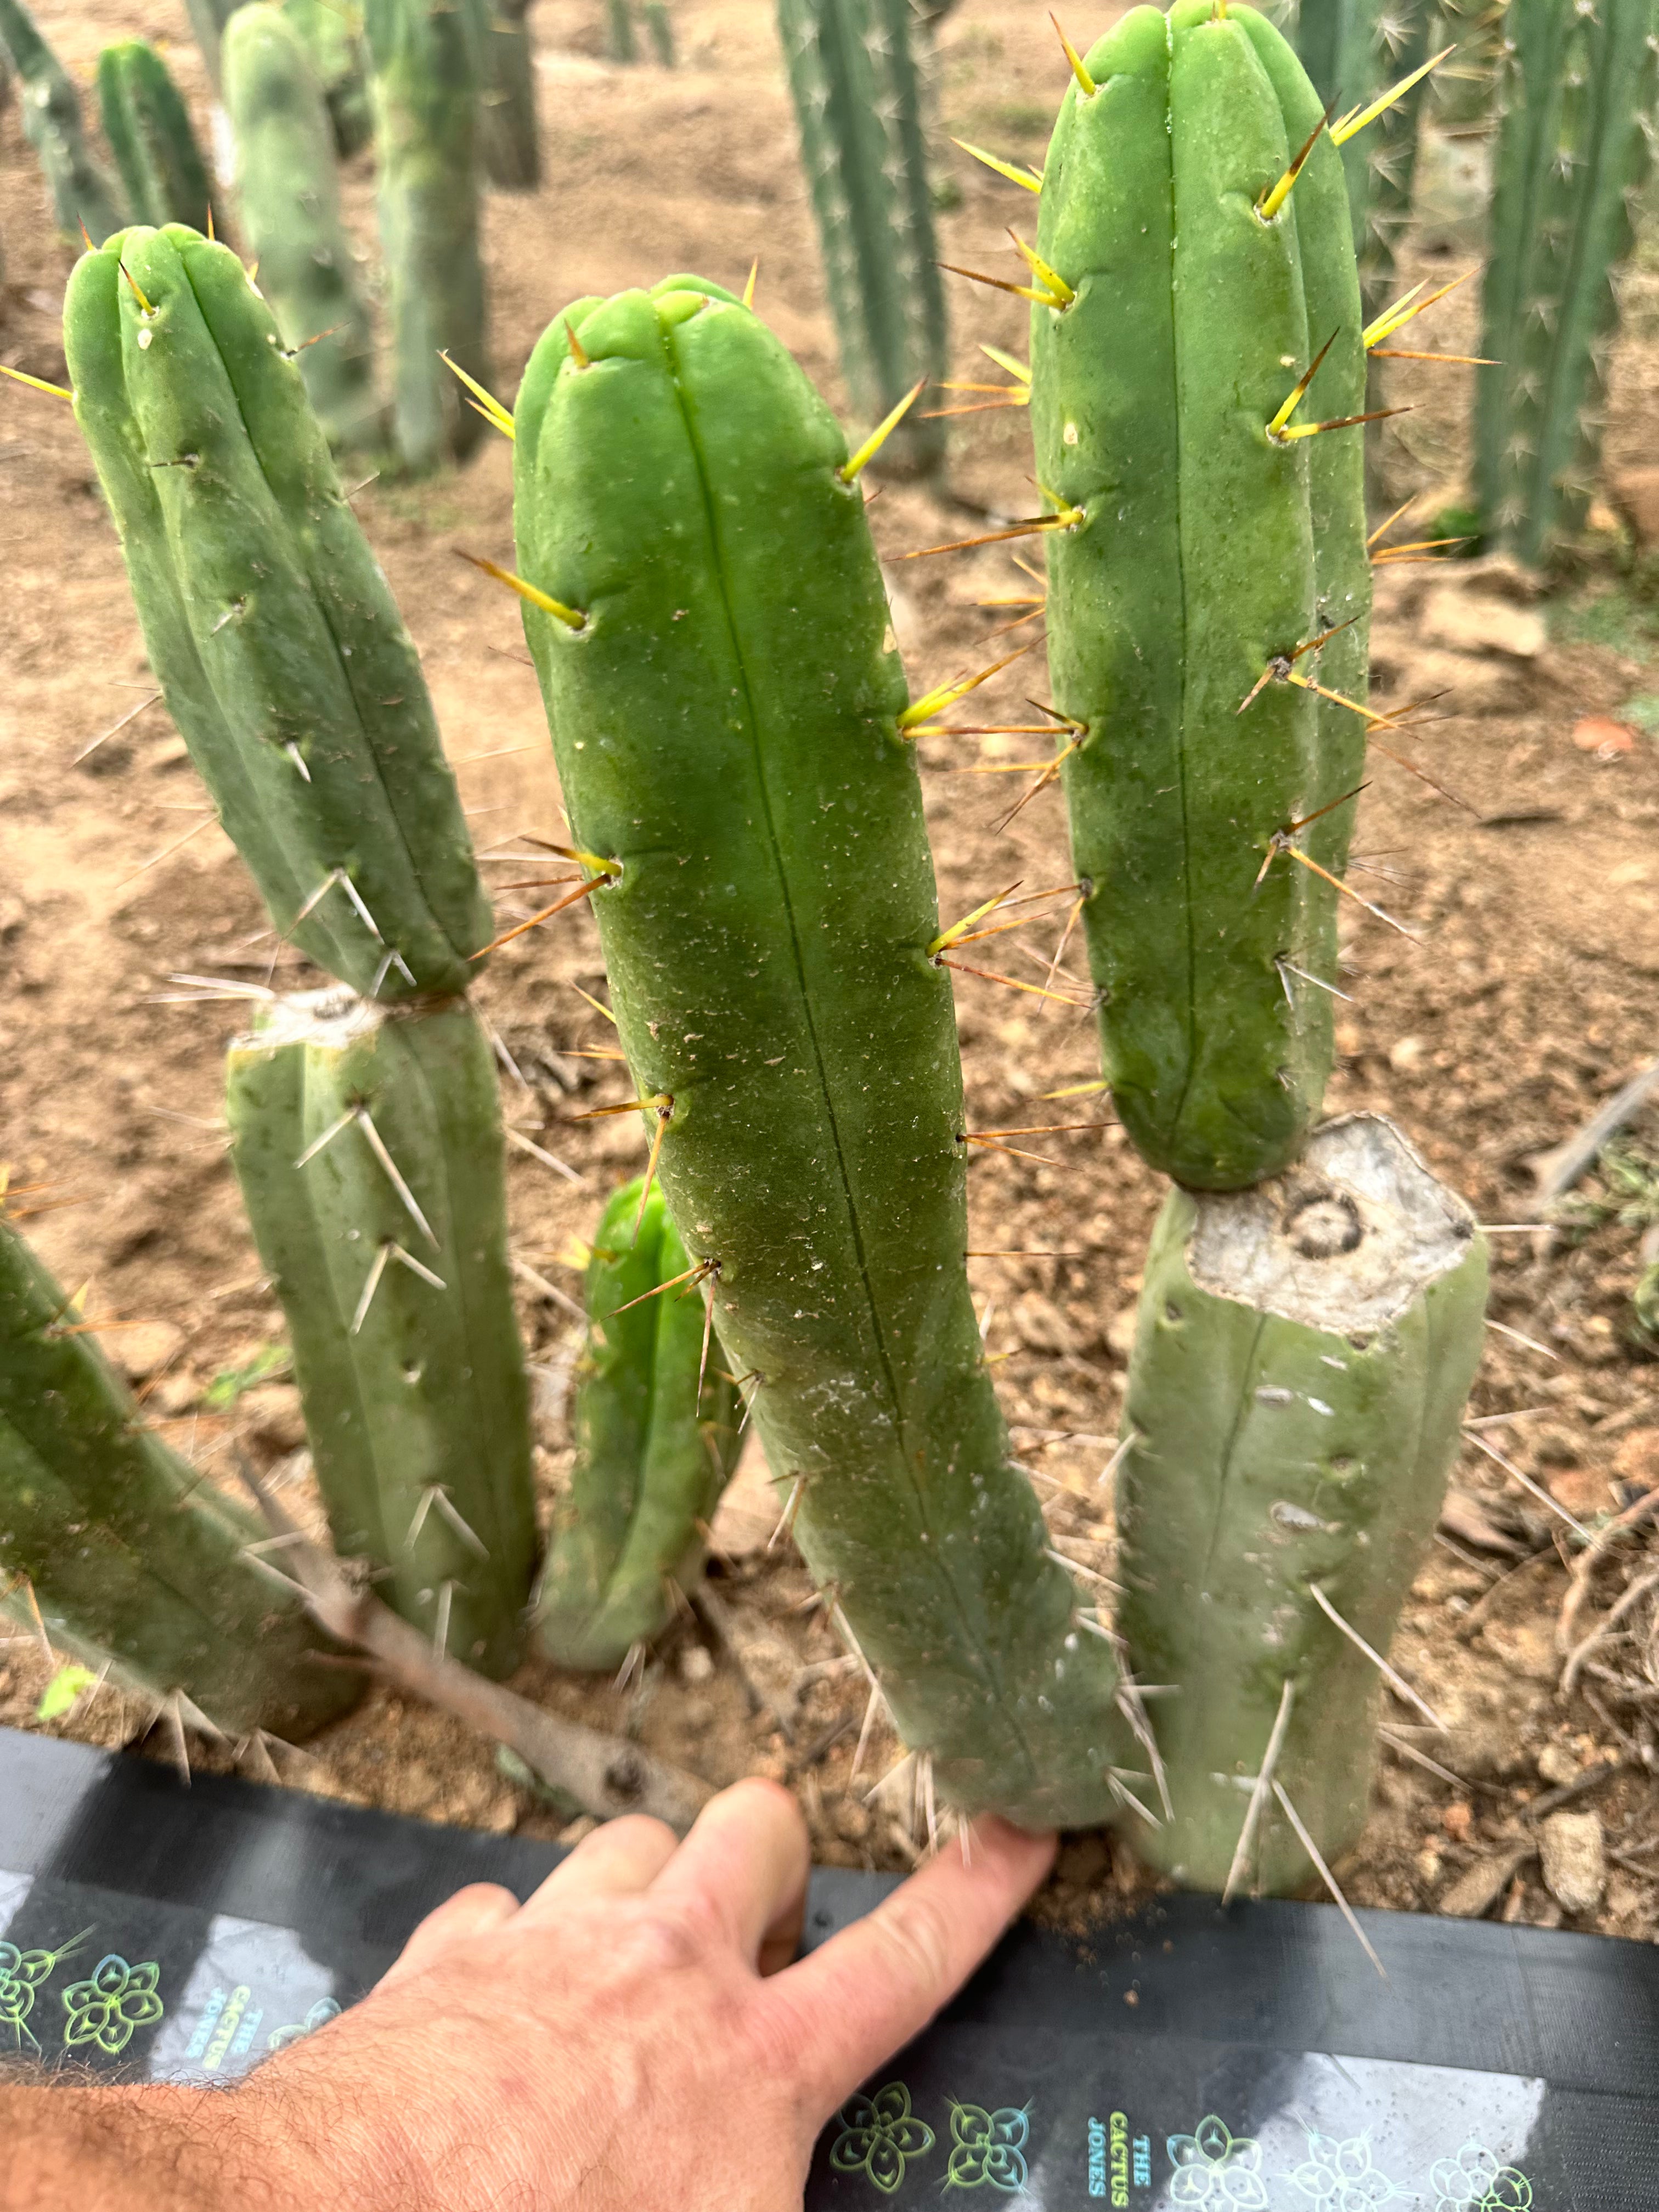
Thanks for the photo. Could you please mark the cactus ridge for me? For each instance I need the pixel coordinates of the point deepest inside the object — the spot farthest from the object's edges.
(1577, 90)
(654, 1450)
(281, 652)
(289, 193)
(129, 1553)
(1208, 549)
(1301, 1358)
(83, 195)
(858, 95)
(147, 127)
(425, 72)
(366, 1142)
(726, 726)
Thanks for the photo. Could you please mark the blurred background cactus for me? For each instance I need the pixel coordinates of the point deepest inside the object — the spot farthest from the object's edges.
(287, 198)
(856, 86)
(147, 127)
(509, 134)
(83, 195)
(332, 32)
(1576, 93)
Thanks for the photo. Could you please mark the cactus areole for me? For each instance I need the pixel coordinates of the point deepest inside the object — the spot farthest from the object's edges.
(1204, 539)
(725, 702)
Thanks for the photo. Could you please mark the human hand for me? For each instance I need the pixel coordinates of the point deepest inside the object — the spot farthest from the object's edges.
(634, 2037)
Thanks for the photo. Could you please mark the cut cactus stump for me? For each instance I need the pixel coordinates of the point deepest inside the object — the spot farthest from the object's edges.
(1301, 1358)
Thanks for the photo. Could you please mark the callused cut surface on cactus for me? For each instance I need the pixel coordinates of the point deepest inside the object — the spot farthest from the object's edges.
(268, 623)
(709, 627)
(657, 1418)
(129, 1554)
(1302, 1359)
(1205, 537)
(288, 191)
(854, 75)
(366, 1141)
(1577, 86)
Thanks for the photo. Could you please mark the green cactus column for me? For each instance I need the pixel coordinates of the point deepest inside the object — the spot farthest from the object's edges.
(657, 1422)
(130, 1553)
(331, 32)
(147, 127)
(712, 639)
(853, 79)
(1353, 51)
(1300, 1363)
(368, 1145)
(266, 618)
(619, 42)
(510, 137)
(425, 63)
(1577, 89)
(83, 193)
(287, 192)
(1204, 538)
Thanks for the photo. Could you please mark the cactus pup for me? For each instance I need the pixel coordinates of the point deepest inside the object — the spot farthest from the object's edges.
(366, 1142)
(277, 644)
(83, 196)
(857, 92)
(424, 62)
(1197, 321)
(148, 126)
(1301, 1358)
(729, 718)
(287, 192)
(657, 1420)
(1577, 89)
(130, 1556)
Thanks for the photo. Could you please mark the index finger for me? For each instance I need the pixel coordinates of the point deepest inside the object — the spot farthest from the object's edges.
(852, 2004)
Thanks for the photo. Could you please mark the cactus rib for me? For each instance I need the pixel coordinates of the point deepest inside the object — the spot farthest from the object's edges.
(657, 1418)
(1196, 547)
(726, 725)
(424, 57)
(269, 624)
(366, 1142)
(287, 192)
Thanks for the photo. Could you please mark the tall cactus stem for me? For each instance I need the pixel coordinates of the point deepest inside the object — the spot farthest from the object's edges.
(147, 127)
(266, 618)
(657, 1422)
(659, 29)
(331, 34)
(287, 192)
(83, 195)
(1577, 88)
(725, 722)
(129, 1554)
(1301, 1358)
(508, 133)
(367, 1145)
(858, 99)
(426, 71)
(1201, 538)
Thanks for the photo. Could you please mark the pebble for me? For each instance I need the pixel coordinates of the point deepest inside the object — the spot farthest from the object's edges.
(1574, 1861)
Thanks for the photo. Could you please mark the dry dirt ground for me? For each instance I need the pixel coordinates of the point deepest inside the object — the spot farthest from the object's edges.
(1527, 999)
